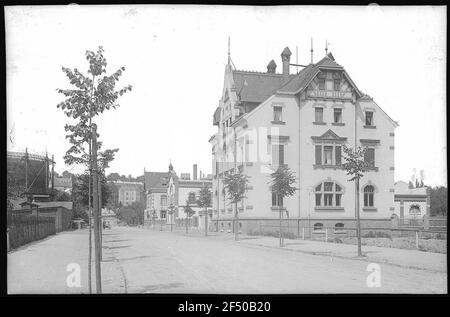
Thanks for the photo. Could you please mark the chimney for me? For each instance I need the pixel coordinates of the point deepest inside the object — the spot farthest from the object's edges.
(271, 67)
(286, 57)
(194, 174)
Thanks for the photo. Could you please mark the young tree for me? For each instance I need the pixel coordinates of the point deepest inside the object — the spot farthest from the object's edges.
(204, 201)
(189, 212)
(355, 166)
(281, 186)
(92, 95)
(235, 185)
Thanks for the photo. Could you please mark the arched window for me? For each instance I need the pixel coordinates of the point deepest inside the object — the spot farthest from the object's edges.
(328, 194)
(414, 209)
(318, 226)
(368, 196)
(339, 226)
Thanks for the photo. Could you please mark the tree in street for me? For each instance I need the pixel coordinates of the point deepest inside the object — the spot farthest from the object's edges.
(189, 213)
(355, 166)
(204, 201)
(281, 186)
(91, 96)
(235, 185)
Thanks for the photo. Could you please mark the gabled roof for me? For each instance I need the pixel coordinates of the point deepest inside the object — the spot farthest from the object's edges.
(156, 179)
(328, 62)
(258, 86)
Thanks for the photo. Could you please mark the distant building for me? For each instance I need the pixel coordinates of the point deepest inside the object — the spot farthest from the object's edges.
(128, 192)
(184, 190)
(63, 184)
(411, 203)
(109, 217)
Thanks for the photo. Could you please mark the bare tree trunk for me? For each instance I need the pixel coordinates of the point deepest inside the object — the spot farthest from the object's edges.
(358, 221)
(98, 273)
(281, 234)
(100, 222)
(236, 226)
(206, 222)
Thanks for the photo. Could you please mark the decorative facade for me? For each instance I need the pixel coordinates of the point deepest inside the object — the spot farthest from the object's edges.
(303, 121)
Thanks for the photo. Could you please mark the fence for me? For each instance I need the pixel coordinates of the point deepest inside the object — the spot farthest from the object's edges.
(23, 229)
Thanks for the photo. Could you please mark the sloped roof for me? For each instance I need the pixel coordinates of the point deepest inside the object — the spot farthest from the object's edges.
(328, 62)
(157, 179)
(52, 204)
(301, 80)
(259, 87)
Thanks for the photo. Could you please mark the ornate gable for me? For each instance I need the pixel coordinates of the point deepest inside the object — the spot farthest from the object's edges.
(329, 136)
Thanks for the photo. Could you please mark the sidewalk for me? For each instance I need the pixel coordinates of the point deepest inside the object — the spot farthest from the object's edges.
(399, 257)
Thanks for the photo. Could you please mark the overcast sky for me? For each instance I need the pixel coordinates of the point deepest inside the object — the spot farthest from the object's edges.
(175, 59)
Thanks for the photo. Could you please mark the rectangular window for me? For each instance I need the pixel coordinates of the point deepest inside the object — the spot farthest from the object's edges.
(322, 83)
(369, 156)
(277, 154)
(319, 115)
(328, 199)
(338, 155)
(337, 84)
(369, 118)
(277, 114)
(337, 115)
(328, 155)
(318, 199)
(318, 154)
(277, 200)
(338, 200)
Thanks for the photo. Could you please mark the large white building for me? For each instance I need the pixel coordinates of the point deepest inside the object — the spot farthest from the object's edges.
(303, 120)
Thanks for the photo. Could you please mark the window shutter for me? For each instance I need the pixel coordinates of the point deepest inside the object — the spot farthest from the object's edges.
(338, 155)
(318, 155)
(275, 155)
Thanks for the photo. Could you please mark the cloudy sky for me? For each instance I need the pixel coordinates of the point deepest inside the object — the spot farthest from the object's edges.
(175, 59)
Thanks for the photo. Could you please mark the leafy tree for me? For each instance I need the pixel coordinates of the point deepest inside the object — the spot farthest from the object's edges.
(91, 96)
(438, 201)
(281, 185)
(235, 185)
(204, 201)
(355, 166)
(132, 214)
(14, 191)
(189, 213)
(59, 195)
(410, 185)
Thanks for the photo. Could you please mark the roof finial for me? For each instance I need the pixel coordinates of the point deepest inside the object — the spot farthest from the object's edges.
(326, 47)
(312, 50)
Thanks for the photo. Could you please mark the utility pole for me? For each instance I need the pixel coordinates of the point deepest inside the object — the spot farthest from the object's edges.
(98, 273)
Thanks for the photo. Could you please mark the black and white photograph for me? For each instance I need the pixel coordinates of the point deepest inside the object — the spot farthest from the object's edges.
(226, 149)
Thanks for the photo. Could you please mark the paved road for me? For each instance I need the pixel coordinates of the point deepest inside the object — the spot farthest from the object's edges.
(146, 261)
